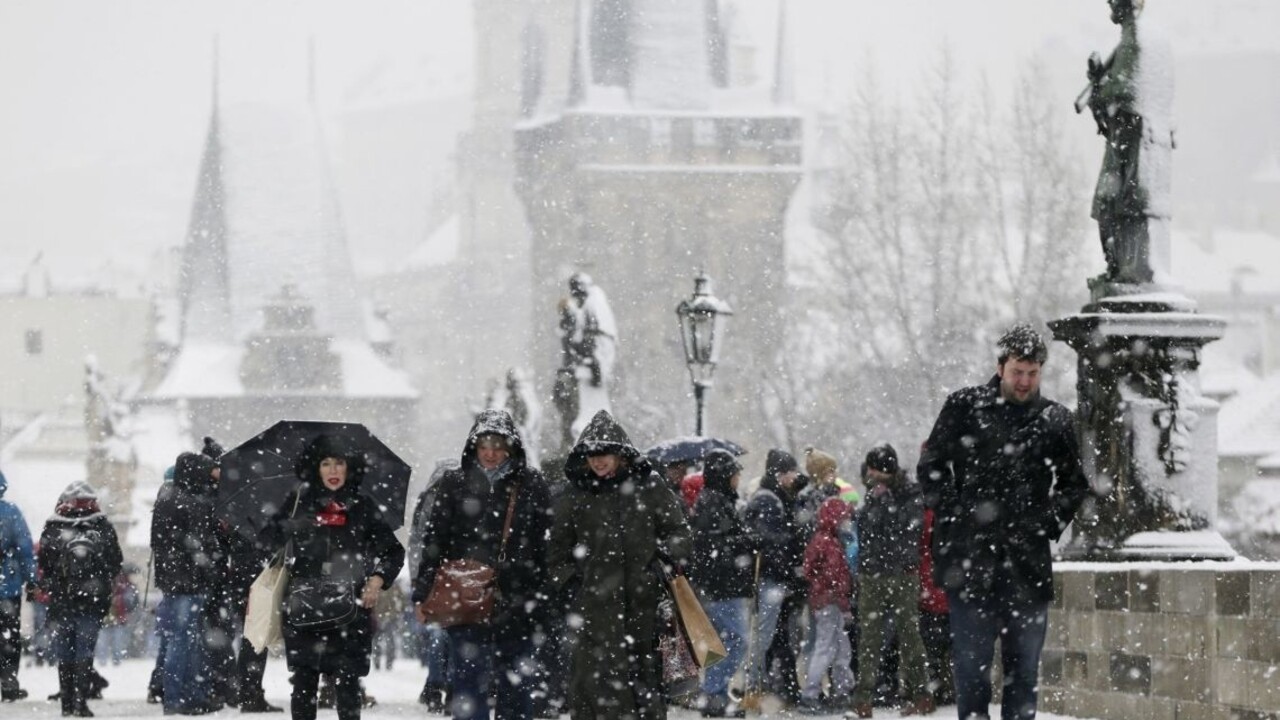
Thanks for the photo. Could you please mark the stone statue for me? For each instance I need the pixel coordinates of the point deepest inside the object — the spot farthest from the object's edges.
(588, 344)
(1131, 98)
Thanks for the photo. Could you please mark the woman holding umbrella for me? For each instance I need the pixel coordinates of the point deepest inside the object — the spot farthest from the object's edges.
(340, 553)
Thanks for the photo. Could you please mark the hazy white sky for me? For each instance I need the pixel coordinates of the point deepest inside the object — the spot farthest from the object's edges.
(104, 105)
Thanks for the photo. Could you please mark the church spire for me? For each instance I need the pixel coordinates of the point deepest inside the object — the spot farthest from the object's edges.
(204, 289)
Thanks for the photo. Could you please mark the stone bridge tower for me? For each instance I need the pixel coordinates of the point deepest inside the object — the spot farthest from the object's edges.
(639, 163)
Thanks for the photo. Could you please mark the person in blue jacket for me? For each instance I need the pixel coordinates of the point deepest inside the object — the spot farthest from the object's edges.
(17, 572)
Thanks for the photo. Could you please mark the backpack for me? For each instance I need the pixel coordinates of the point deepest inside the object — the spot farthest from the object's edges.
(83, 556)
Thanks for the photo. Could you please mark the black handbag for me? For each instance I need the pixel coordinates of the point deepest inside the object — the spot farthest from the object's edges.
(316, 604)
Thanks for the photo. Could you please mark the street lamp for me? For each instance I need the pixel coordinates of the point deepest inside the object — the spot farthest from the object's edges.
(702, 323)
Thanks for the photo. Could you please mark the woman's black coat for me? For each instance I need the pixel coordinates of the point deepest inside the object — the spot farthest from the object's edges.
(466, 519)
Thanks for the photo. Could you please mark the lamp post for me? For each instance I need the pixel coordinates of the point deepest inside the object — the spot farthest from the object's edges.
(703, 318)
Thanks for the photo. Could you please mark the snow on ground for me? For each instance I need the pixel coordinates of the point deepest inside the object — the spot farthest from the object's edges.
(396, 691)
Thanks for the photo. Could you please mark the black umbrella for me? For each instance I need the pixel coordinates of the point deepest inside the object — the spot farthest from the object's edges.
(689, 449)
(258, 475)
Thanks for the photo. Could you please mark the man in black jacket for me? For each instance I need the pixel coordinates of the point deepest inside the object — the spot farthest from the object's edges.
(772, 515)
(1001, 470)
(190, 565)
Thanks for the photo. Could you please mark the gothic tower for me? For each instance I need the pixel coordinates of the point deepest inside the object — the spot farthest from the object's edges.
(650, 169)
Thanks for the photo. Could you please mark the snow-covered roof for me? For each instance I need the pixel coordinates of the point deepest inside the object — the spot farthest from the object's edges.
(440, 248)
(1258, 506)
(36, 480)
(1209, 264)
(1222, 374)
(212, 370)
(1249, 422)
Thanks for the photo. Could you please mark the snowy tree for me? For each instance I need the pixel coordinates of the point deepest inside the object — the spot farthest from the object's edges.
(945, 219)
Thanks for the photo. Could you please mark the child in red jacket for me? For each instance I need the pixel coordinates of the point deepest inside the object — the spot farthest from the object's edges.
(830, 586)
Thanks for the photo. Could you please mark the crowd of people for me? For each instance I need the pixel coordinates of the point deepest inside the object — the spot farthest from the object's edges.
(830, 595)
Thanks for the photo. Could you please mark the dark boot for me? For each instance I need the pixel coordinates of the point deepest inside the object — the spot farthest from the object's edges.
(84, 687)
(66, 681)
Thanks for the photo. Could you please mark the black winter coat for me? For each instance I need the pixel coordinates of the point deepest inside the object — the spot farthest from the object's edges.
(722, 566)
(772, 516)
(71, 593)
(1004, 480)
(466, 520)
(890, 523)
(609, 538)
(355, 551)
(190, 553)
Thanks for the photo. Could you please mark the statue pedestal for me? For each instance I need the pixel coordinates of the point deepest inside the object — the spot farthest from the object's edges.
(1149, 439)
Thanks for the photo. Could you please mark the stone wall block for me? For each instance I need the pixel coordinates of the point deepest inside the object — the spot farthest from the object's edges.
(1111, 590)
(1264, 642)
(1144, 591)
(1194, 711)
(1231, 682)
(1181, 679)
(1186, 592)
(1131, 674)
(1232, 638)
(1188, 636)
(1232, 593)
(1082, 634)
(1099, 671)
(1143, 634)
(1078, 591)
(1264, 593)
(1056, 635)
(1264, 687)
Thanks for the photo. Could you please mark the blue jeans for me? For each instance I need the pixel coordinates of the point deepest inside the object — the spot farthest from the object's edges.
(436, 640)
(113, 643)
(478, 655)
(770, 596)
(184, 657)
(974, 628)
(729, 617)
(74, 638)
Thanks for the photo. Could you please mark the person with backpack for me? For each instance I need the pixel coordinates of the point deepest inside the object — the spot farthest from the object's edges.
(190, 565)
(17, 572)
(79, 559)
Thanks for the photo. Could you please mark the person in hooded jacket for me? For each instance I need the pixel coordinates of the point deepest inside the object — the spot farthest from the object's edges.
(330, 532)
(435, 691)
(771, 516)
(190, 566)
(723, 568)
(889, 526)
(17, 573)
(830, 586)
(617, 523)
(79, 558)
(466, 520)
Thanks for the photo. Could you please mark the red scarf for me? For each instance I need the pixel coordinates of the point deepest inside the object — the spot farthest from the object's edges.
(334, 514)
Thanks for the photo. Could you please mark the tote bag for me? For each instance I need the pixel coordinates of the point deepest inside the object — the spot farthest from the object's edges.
(703, 638)
(263, 624)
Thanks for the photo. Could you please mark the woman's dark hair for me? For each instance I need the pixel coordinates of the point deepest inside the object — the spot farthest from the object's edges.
(328, 446)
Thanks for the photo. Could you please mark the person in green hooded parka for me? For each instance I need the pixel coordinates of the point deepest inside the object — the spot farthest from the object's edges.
(614, 526)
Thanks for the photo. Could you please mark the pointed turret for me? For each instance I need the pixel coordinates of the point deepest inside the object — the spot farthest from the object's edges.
(204, 289)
